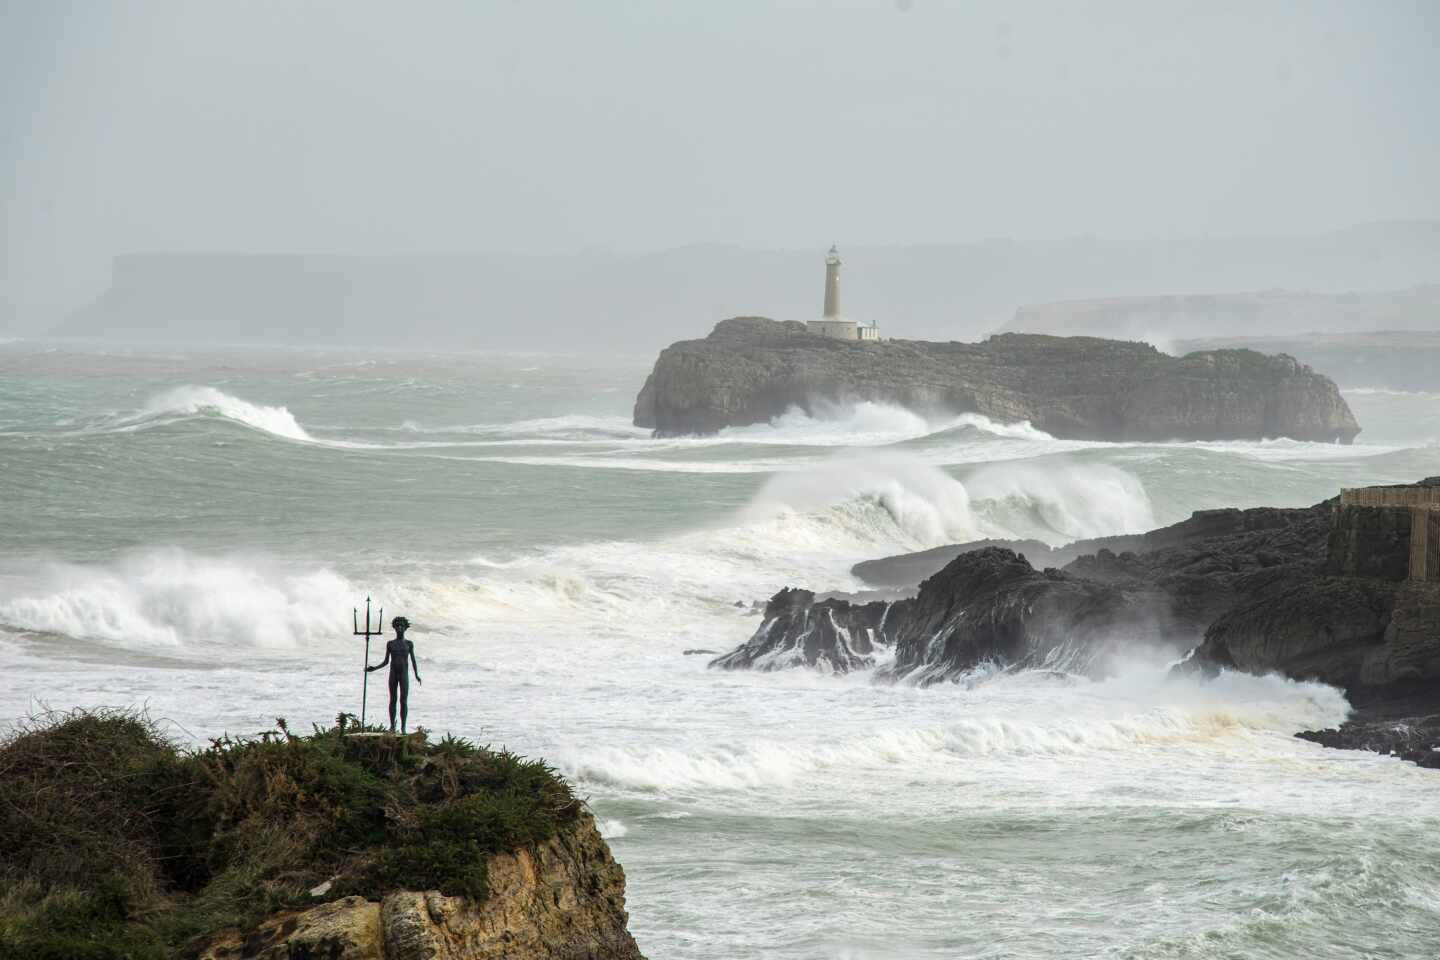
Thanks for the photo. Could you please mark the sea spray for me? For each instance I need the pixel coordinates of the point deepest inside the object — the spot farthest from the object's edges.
(167, 600)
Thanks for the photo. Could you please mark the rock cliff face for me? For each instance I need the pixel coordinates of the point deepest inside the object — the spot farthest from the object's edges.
(563, 900)
(832, 635)
(1233, 314)
(750, 370)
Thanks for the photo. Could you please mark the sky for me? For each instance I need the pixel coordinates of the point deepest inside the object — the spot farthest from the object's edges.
(552, 126)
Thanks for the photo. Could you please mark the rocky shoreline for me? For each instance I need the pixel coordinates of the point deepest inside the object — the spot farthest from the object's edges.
(1320, 593)
(751, 370)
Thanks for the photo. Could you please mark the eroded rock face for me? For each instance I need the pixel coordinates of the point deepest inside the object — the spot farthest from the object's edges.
(992, 607)
(1160, 591)
(986, 606)
(796, 631)
(563, 900)
(750, 370)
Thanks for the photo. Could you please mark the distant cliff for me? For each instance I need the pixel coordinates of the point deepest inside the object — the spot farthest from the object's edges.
(1244, 314)
(594, 300)
(750, 370)
(1389, 359)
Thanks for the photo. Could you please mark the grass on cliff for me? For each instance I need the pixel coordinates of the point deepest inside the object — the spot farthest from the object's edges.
(117, 845)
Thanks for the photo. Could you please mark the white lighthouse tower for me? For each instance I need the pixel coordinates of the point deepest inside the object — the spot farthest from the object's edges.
(832, 285)
(831, 324)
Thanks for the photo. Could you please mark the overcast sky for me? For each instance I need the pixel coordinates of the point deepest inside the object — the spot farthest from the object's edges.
(553, 126)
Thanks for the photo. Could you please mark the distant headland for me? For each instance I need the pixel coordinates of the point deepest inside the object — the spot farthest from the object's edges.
(752, 369)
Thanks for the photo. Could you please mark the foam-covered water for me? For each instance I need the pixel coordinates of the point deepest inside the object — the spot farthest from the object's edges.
(189, 531)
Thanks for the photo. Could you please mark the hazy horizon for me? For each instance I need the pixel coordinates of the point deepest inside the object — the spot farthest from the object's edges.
(505, 128)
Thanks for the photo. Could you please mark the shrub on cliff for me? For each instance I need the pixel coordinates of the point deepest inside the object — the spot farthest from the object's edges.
(116, 844)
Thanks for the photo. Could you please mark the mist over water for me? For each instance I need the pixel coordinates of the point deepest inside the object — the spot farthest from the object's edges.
(188, 531)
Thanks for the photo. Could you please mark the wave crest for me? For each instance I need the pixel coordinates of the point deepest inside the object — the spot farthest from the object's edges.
(172, 599)
(192, 401)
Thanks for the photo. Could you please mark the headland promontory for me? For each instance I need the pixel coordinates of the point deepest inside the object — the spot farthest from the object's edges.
(751, 369)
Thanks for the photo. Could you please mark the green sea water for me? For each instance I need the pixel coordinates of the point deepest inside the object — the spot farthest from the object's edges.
(189, 531)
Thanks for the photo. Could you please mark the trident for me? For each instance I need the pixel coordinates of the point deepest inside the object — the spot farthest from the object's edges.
(367, 633)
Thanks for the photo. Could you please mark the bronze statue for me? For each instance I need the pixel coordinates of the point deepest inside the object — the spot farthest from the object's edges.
(400, 654)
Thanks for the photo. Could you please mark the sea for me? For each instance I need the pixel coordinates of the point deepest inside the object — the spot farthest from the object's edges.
(188, 531)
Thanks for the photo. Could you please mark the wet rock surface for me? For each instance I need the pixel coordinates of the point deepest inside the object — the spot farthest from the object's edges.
(751, 370)
(1403, 722)
(797, 630)
(992, 607)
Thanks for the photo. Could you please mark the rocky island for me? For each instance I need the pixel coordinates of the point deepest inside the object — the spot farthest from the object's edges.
(751, 370)
(348, 844)
(1346, 592)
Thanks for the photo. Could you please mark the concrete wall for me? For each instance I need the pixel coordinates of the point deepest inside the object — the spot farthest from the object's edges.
(1382, 531)
(1416, 496)
(834, 329)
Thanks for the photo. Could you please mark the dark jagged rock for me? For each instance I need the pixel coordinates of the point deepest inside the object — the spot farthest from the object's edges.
(992, 606)
(987, 606)
(1406, 725)
(1416, 739)
(797, 630)
(750, 370)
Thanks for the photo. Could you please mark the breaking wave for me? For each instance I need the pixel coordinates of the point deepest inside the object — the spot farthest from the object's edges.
(192, 401)
(805, 527)
(869, 424)
(171, 599)
(914, 505)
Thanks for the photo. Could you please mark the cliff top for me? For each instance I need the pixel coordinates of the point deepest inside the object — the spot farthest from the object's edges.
(763, 332)
(114, 843)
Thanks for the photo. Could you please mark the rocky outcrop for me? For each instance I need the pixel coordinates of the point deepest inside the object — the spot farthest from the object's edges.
(833, 635)
(992, 607)
(562, 900)
(1404, 726)
(750, 370)
(1162, 589)
(1319, 593)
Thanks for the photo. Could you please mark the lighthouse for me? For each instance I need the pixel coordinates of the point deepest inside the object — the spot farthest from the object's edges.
(831, 324)
(832, 285)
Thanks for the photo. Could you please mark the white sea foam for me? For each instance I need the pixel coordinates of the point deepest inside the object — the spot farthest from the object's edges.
(192, 400)
(807, 526)
(173, 599)
(1390, 392)
(917, 505)
(1061, 501)
(1015, 716)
